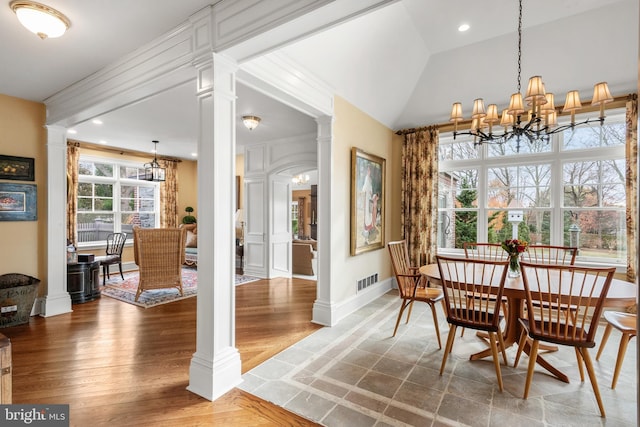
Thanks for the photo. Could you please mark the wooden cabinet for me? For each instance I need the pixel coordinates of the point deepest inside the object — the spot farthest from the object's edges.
(83, 281)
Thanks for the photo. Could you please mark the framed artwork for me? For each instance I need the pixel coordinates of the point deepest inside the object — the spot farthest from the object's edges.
(18, 168)
(18, 202)
(367, 201)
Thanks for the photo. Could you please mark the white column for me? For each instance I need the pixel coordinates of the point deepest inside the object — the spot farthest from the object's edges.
(57, 299)
(215, 366)
(323, 312)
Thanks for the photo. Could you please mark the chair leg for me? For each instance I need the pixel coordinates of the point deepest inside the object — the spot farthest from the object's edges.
(521, 342)
(120, 267)
(580, 363)
(532, 366)
(410, 309)
(592, 376)
(402, 307)
(435, 323)
(496, 358)
(104, 275)
(605, 337)
(624, 340)
(450, 338)
(502, 347)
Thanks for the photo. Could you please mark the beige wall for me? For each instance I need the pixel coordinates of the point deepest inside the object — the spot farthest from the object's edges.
(24, 243)
(353, 128)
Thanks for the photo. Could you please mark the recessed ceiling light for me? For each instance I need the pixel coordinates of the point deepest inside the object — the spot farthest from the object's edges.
(72, 131)
(96, 121)
(103, 142)
(194, 154)
(464, 27)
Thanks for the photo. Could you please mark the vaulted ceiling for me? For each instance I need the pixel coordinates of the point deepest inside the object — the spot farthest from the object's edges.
(403, 64)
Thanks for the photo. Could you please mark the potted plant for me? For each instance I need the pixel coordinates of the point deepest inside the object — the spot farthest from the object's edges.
(188, 218)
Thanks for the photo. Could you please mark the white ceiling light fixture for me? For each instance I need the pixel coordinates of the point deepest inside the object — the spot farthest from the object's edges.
(251, 122)
(534, 123)
(300, 179)
(152, 170)
(464, 27)
(40, 19)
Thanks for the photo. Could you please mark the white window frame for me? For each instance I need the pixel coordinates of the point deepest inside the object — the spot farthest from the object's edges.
(556, 158)
(117, 182)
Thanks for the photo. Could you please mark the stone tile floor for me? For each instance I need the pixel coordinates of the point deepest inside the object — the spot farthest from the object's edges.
(356, 374)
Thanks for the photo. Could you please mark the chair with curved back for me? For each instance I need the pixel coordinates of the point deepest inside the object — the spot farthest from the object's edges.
(548, 288)
(411, 285)
(473, 279)
(549, 254)
(485, 251)
(159, 254)
(113, 255)
(625, 323)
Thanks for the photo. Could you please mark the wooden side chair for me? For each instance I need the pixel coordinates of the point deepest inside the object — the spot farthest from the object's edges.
(625, 323)
(159, 254)
(549, 254)
(485, 251)
(550, 287)
(470, 278)
(113, 255)
(411, 285)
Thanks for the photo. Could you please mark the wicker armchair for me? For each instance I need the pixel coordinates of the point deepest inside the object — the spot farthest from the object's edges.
(159, 254)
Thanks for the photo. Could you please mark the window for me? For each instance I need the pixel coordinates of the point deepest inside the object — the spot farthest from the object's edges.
(294, 219)
(113, 197)
(569, 191)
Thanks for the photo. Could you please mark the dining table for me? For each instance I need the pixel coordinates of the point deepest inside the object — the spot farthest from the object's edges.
(621, 295)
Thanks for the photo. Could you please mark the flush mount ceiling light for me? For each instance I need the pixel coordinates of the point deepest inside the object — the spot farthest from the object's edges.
(251, 122)
(152, 170)
(536, 121)
(40, 19)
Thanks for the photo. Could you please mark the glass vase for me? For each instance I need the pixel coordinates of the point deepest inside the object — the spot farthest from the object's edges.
(514, 266)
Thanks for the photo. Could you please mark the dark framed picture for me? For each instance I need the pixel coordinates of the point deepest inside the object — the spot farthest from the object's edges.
(18, 168)
(367, 201)
(18, 202)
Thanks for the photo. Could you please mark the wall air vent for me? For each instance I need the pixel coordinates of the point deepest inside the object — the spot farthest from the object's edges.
(367, 281)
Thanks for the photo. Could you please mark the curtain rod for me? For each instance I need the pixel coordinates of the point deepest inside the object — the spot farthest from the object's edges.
(99, 147)
(618, 101)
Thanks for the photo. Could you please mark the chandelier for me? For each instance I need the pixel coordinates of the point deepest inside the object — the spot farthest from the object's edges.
(152, 170)
(300, 179)
(535, 124)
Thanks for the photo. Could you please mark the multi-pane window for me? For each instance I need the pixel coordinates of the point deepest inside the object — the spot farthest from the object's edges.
(113, 197)
(569, 191)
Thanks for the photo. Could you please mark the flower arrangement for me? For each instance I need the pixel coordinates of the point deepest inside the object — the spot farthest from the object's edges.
(514, 248)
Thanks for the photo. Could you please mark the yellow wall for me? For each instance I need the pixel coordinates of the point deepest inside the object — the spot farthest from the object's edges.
(353, 128)
(24, 243)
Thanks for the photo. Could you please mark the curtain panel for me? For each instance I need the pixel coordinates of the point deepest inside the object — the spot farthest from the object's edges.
(419, 198)
(73, 156)
(168, 195)
(632, 184)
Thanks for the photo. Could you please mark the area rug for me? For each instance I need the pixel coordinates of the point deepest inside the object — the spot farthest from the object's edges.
(125, 290)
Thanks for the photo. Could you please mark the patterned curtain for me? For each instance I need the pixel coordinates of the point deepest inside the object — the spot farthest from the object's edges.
(73, 154)
(632, 184)
(168, 192)
(419, 197)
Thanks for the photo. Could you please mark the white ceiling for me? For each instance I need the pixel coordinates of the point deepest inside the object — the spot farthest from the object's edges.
(403, 64)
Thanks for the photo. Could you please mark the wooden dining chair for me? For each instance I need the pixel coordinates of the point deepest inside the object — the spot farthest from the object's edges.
(462, 278)
(625, 323)
(549, 254)
(411, 285)
(113, 255)
(485, 251)
(550, 287)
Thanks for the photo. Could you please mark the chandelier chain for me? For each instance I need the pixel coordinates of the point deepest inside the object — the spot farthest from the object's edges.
(519, 45)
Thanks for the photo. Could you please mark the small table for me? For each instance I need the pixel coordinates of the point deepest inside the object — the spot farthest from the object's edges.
(83, 281)
(621, 294)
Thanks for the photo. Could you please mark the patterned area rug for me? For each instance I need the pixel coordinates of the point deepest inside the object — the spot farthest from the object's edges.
(125, 290)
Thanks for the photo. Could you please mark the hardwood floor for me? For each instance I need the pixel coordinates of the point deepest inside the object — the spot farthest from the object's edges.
(120, 365)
